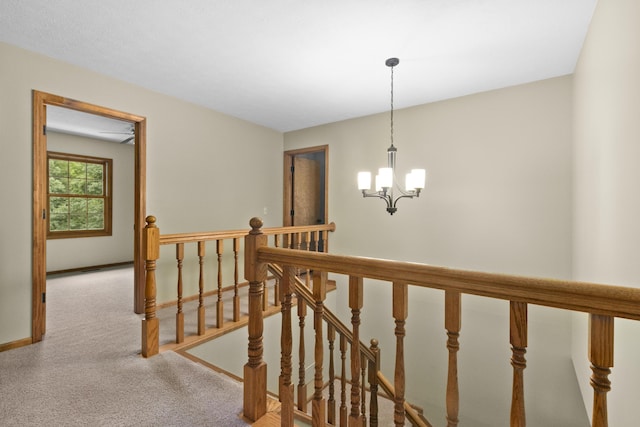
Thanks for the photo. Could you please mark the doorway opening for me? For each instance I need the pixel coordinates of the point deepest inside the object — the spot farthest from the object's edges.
(40, 206)
(306, 178)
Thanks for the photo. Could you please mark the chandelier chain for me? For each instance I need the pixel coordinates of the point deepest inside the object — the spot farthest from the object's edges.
(392, 106)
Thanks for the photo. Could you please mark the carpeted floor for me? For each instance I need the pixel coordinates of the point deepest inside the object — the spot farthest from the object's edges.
(88, 370)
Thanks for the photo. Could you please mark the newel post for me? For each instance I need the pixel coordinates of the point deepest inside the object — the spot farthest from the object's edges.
(255, 371)
(150, 331)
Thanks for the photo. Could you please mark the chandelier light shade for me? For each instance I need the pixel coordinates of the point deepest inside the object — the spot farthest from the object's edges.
(385, 180)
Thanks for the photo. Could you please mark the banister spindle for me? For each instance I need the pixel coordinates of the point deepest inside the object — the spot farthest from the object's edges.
(355, 303)
(400, 314)
(236, 297)
(331, 402)
(150, 325)
(363, 392)
(286, 345)
(302, 386)
(318, 408)
(518, 338)
(452, 323)
(601, 333)
(219, 303)
(265, 296)
(374, 367)
(201, 313)
(255, 371)
(343, 380)
(179, 313)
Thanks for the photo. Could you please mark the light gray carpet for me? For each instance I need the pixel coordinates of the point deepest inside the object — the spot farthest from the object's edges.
(88, 370)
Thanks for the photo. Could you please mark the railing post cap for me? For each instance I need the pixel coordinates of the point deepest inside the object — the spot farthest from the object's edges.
(256, 223)
(150, 219)
(374, 343)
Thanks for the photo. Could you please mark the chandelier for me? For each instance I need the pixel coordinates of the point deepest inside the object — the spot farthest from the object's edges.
(385, 180)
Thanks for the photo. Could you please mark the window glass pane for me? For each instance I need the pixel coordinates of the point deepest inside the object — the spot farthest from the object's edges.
(94, 171)
(94, 188)
(58, 168)
(58, 185)
(78, 170)
(96, 206)
(78, 206)
(78, 222)
(58, 222)
(59, 205)
(96, 221)
(77, 186)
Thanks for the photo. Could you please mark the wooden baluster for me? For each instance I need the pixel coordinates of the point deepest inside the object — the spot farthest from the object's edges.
(452, 323)
(601, 334)
(220, 303)
(255, 371)
(318, 407)
(150, 325)
(331, 403)
(201, 252)
(307, 247)
(298, 241)
(343, 381)
(363, 397)
(276, 240)
(302, 386)
(518, 338)
(400, 314)
(276, 292)
(286, 345)
(179, 314)
(325, 241)
(236, 298)
(355, 303)
(374, 367)
(265, 296)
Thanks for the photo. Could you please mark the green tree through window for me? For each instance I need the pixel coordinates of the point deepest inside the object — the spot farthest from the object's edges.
(79, 194)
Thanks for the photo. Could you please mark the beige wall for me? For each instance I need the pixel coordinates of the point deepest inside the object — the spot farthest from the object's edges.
(607, 186)
(198, 162)
(65, 254)
(498, 198)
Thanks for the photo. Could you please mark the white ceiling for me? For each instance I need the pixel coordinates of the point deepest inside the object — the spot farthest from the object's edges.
(291, 64)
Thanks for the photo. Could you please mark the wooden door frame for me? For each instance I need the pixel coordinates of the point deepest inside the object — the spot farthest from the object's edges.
(288, 178)
(39, 248)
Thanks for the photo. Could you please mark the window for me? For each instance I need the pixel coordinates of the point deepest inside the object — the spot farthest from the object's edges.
(79, 193)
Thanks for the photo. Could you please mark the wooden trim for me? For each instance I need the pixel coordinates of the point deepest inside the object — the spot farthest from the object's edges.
(89, 268)
(15, 344)
(287, 184)
(39, 102)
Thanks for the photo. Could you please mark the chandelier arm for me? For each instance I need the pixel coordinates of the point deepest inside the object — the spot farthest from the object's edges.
(406, 196)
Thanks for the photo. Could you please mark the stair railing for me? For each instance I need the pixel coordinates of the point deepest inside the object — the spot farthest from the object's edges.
(603, 303)
(309, 238)
(369, 357)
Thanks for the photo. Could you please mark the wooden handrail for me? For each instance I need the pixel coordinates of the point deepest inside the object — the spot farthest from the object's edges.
(170, 239)
(606, 300)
